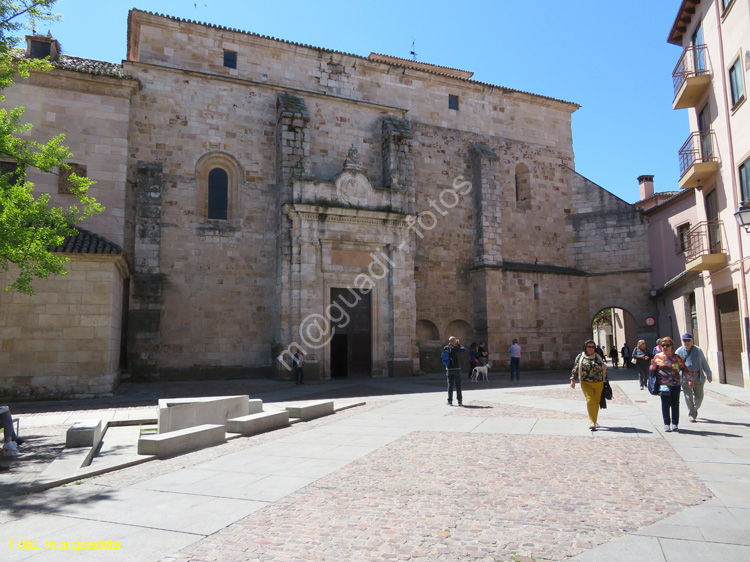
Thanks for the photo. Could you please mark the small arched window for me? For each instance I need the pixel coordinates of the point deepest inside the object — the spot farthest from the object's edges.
(218, 194)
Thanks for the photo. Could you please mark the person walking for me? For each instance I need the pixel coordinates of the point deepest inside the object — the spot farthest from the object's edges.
(670, 369)
(484, 354)
(473, 359)
(453, 370)
(298, 362)
(696, 362)
(591, 370)
(625, 352)
(657, 348)
(614, 356)
(642, 362)
(515, 360)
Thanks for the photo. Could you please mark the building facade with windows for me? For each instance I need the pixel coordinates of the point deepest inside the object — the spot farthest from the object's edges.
(278, 196)
(708, 294)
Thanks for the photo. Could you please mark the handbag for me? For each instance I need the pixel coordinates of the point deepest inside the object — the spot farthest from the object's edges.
(653, 383)
(606, 395)
(634, 360)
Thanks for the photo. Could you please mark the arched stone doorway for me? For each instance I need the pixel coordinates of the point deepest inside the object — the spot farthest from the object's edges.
(614, 327)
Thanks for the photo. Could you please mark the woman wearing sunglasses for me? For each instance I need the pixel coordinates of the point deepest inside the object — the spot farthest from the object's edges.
(668, 365)
(591, 370)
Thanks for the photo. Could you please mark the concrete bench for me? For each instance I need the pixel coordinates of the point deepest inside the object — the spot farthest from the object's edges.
(311, 410)
(182, 440)
(184, 413)
(258, 423)
(84, 433)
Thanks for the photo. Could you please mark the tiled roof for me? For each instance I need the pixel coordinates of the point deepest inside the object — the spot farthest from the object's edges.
(86, 242)
(90, 66)
(85, 66)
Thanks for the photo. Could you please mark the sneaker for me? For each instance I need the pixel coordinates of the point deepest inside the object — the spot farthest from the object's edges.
(674, 428)
(10, 450)
(449, 403)
(460, 404)
(667, 429)
(19, 441)
(692, 419)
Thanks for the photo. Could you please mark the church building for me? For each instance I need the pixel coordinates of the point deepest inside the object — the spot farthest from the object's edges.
(265, 197)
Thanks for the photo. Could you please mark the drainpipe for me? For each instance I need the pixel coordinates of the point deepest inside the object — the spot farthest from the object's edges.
(735, 198)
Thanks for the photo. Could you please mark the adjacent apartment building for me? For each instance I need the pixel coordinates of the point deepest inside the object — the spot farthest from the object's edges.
(699, 251)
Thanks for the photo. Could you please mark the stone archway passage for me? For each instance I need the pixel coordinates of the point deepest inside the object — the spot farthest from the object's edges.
(614, 327)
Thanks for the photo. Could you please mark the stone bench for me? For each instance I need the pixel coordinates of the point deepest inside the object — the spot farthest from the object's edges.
(84, 433)
(311, 410)
(182, 440)
(184, 413)
(258, 423)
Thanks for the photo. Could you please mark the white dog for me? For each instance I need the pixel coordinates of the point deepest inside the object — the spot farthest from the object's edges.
(476, 371)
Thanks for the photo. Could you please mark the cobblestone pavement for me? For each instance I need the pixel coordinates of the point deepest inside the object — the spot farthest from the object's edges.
(441, 497)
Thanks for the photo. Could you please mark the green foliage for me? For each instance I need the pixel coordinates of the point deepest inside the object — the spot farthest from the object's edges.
(603, 318)
(29, 228)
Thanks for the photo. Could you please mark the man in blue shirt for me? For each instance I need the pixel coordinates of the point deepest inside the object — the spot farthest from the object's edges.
(696, 362)
(453, 370)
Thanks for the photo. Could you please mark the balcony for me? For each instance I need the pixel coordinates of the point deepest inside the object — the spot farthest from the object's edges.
(691, 77)
(704, 247)
(699, 163)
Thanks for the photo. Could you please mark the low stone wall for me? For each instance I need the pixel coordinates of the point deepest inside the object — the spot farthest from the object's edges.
(64, 342)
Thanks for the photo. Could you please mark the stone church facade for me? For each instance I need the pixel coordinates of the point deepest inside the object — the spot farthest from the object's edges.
(279, 197)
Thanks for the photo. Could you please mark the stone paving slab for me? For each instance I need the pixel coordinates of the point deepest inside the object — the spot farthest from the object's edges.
(481, 408)
(135, 542)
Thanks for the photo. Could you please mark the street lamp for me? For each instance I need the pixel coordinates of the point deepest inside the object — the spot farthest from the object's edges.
(743, 217)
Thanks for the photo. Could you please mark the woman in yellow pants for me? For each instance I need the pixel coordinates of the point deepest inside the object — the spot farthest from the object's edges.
(591, 371)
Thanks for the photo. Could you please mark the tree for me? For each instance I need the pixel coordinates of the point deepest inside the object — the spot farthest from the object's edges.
(30, 229)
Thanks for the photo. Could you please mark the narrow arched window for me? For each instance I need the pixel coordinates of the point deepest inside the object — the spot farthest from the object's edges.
(218, 194)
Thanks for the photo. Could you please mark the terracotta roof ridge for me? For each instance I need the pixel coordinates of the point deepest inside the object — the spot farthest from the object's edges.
(296, 44)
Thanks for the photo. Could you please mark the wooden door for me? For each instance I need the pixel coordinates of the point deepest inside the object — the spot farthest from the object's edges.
(731, 336)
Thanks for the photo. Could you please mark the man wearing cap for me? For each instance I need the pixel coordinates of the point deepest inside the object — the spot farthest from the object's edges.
(696, 362)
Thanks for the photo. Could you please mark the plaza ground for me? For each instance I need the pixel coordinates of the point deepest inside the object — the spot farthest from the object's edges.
(398, 475)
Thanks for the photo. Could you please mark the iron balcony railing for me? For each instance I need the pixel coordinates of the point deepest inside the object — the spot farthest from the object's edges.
(693, 62)
(700, 147)
(704, 238)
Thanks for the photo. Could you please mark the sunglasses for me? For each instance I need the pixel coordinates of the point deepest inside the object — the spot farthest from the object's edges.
(666, 345)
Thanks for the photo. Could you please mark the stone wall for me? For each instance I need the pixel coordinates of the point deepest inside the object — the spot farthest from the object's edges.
(93, 112)
(65, 341)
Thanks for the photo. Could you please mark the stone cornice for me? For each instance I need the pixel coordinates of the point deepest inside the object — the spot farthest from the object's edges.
(346, 215)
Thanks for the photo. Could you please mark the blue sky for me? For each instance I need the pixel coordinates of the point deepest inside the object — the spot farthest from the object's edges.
(611, 58)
